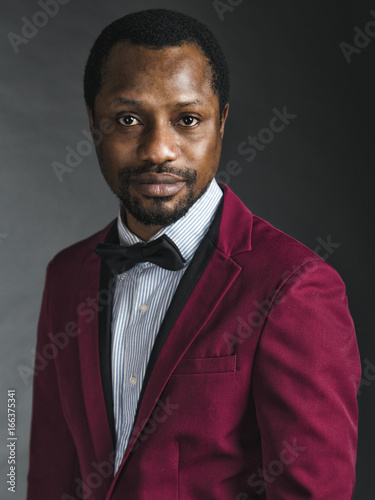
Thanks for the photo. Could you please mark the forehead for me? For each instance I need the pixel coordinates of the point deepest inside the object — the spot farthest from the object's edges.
(171, 71)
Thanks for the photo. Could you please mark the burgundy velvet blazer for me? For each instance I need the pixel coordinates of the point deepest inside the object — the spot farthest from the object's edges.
(250, 391)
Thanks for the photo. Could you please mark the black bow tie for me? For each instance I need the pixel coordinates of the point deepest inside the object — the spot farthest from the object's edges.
(162, 252)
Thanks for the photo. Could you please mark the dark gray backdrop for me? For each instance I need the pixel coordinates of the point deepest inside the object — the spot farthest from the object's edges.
(313, 180)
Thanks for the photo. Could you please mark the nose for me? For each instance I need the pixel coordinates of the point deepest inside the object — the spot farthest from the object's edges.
(158, 144)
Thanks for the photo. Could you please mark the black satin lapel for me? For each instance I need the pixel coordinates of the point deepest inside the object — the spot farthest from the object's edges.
(105, 334)
(188, 281)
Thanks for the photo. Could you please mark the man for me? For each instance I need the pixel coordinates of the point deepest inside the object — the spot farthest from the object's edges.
(197, 352)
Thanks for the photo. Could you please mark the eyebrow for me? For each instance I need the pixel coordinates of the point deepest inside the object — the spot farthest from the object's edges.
(190, 103)
(130, 102)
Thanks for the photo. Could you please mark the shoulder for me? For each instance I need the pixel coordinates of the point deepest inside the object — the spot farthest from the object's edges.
(271, 244)
(280, 258)
(265, 253)
(248, 238)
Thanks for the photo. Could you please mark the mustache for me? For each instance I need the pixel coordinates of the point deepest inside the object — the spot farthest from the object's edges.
(189, 175)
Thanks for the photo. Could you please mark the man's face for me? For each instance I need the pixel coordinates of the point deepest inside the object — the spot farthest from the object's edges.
(165, 144)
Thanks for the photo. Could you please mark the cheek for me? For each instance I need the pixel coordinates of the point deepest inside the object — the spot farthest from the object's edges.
(112, 148)
(115, 154)
(209, 155)
(207, 143)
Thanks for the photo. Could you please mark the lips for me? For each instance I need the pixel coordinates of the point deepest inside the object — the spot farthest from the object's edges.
(151, 184)
(152, 178)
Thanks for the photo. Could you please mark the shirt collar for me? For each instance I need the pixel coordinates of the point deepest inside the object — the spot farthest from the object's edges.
(188, 231)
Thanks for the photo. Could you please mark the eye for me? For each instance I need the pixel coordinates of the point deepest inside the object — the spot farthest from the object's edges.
(188, 121)
(128, 121)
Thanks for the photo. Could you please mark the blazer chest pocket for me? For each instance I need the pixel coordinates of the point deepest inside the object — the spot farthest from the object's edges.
(218, 364)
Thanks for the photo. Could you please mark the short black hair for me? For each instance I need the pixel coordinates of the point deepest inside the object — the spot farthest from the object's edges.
(156, 28)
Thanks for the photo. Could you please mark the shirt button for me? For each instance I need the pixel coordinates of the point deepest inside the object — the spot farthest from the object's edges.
(133, 380)
(144, 307)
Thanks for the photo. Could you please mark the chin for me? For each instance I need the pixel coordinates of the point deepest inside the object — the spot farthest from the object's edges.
(158, 211)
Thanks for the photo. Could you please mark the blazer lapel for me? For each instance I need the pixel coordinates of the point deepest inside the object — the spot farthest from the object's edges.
(105, 334)
(95, 400)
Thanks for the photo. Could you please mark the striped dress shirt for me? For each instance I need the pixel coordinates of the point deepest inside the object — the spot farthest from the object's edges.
(142, 297)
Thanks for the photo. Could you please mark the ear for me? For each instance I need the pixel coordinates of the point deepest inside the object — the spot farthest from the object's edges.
(91, 118)
(224, 117)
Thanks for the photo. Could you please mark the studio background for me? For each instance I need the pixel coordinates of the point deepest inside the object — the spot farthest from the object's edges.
(313, 180)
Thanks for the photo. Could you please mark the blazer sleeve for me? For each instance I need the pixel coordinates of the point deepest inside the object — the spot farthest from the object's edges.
(53, 465)
(305, 389)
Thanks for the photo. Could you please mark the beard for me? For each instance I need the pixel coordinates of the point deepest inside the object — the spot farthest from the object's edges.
(158, 214)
